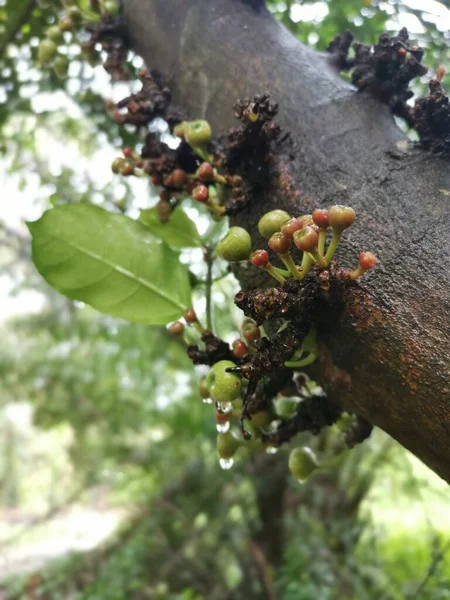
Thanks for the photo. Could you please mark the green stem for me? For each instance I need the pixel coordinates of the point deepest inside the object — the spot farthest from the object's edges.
(322, 238)
(282, 272)
(295, 364)
(274, 272)
(203, 153)
(307, 263)
(335, 239)
(318, 258)
(291, 266)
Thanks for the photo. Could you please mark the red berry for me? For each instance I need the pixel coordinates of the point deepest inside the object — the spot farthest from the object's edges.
(320, 218)
(306, 239)
(176, 328)
(239, 348)
(190, 315)
(279, 243)
(127, 152)
(200, 193)
(222, 418)
(205, 172)
(260, 258)
(367, 260)
(290, 227)
(178, 178)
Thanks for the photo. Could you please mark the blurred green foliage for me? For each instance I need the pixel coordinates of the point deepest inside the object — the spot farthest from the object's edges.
(126, 393)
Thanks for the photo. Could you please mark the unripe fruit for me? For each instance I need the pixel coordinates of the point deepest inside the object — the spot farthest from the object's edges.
(239, 348)
(190, 316)
(367, 260)
(205, 172)
(127, 152)
(290, 227)
(61, 67)
(197, 133)
(127, 169)
(260, 258)
(178, 178)
(117, 165)
(261, 419)
(176, 328)
(200, 193)
(279, 243)
(179, 129)
(320, 218)
(47, 52)
(271, 222)
(223, 386)
(341, 217)
(112, 7)
(65, 24)
(203, 388)
(302, 462)
(250, 331)
(227, 445)
(285, 407)
(306, 239)
(222, 418)
(306, 220)
(54, 34)
(236, 245)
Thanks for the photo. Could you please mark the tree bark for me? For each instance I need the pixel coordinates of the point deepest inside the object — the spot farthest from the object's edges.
(387, 357)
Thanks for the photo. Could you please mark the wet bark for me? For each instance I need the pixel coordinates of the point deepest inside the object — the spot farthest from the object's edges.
(387, 357)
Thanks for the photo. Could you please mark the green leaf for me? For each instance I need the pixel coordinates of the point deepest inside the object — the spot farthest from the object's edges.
(110, 262)
(179, 232)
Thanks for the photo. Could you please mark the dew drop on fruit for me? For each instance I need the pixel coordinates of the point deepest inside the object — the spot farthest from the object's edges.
(223, 427)
(226, 463)
(207, 401)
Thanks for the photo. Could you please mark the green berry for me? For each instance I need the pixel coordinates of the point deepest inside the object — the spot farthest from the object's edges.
(223, 386)
(47, 51)
(236, 245)
(203, 388)
(285, 407)
(340, 217)
(54, 34)
(197, 133)
(271, 222)
(302, 462)
(61, 67)
(112, 7)
(261, 419)
(227, 445)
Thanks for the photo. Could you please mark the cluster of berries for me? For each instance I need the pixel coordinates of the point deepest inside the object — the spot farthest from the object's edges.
(75, 15)
(199, 178)
(307, 233)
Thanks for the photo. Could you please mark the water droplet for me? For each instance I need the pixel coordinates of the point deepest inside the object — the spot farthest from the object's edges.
(226, 463)
(223, 427)
(271, 450)
(207, 401)
(225, 407)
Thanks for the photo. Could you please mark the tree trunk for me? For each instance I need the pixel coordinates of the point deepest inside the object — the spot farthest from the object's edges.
(387, 357)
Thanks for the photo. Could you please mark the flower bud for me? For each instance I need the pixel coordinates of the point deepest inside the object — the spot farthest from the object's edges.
(290, 227)
(279, 243)
(176, 328)
(205, 172)
(306, 239)
(200, 193)
(320, 218)
(260, 258)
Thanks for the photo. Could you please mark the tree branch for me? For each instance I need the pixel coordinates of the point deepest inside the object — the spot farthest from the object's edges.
(388, 356)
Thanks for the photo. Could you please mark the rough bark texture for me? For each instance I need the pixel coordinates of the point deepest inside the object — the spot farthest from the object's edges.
(388, 356)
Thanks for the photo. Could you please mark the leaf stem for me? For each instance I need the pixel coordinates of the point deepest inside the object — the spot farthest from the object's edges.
(209, 260)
